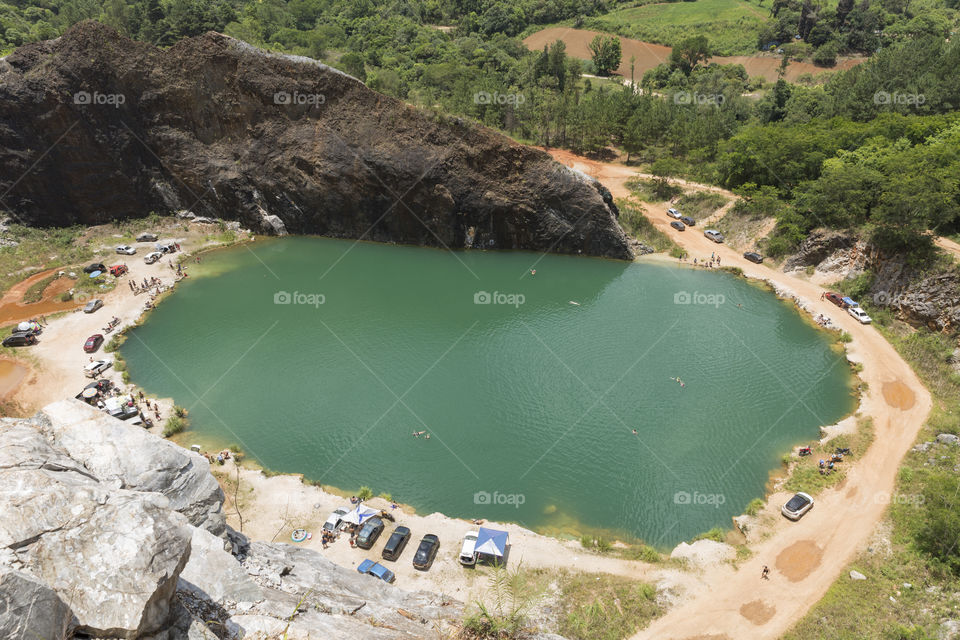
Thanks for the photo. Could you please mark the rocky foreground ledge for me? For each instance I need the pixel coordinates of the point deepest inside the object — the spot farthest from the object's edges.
(112, 532)
(97, 127)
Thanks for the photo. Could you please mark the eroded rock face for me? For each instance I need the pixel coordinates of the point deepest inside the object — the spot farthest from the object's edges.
(110, 449)
(281, 143)
(97, 537)
(30, 609)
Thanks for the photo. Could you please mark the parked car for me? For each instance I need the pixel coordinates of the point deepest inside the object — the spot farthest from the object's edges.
(753, 256)
(377, 570)
(687, 220)
(371, 530)
(860, 315)
(676, 224)
(121, 407)
(834, 298)
(335, 520)
(714, 235)
(166, 247)
(95, 368)
(20, 339)
(147, 237)
(150, 258)
(426, 552)
(94, 266)
(93, 305)
(673, 213)
(118, 270)
(797, 506)
(126, 250)
(93, 343)
(468, 550)
(396, 543)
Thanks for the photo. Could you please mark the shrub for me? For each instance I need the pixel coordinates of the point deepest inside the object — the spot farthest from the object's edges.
(386, 496)
(365, 493)
(844, 337)
(716, 534)
(941, 525)
(586, 541)
(174, 424)
(513, 595)
(603, 545)
(754, 507)
(179, 411)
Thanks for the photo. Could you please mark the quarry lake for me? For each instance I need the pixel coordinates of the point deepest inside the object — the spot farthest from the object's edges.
(324, 357)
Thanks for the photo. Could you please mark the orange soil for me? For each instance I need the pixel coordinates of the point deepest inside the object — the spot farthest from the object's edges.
(12, 308)
(649, 55)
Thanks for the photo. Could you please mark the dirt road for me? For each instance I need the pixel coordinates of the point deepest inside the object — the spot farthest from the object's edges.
(805, 557)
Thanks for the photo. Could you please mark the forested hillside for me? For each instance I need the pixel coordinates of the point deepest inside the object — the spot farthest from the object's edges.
(875, 146)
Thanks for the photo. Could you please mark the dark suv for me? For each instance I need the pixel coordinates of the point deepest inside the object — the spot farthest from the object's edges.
(19, 339)
(426, 552)
(687, 220)
(396, 543)
(370, 532)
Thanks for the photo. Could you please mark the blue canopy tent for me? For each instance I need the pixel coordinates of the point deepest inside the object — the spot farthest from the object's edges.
(492, 543)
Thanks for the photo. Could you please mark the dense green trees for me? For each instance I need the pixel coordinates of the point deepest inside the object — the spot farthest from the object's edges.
(605, 53)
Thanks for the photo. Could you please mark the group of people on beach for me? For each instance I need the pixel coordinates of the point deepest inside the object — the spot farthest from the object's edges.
(714, 260)
(145, 286)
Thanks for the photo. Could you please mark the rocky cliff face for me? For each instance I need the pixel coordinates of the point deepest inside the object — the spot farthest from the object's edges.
(110, 532)
(95, 127)
(922, 295)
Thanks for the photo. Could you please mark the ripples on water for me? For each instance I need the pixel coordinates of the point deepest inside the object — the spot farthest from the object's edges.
(538, 400)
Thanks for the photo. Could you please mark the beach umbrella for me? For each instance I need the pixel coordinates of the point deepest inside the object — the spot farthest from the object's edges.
(89, 393)
(359, 515)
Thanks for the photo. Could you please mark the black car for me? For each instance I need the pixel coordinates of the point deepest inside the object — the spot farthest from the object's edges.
(676, 224)
(426, 552)
(370, 532)
(687, 220)
(753, 256)
(96, 266)
(20, 339)
(396, 543)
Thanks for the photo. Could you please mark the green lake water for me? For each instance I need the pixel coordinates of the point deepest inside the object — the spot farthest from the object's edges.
(530, 401)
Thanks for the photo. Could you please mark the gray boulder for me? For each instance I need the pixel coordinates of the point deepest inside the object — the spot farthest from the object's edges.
(947, 438)
(30, 609)
(214, 574)
(118, 569)
(112, 449)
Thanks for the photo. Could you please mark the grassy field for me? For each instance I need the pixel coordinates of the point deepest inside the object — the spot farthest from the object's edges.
(908, 594)
(732, 26)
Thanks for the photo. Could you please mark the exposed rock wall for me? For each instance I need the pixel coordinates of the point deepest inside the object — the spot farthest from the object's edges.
(106, 531)
(95, 127)
(920, 294)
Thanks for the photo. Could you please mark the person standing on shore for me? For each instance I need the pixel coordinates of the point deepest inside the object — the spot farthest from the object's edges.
(765, 574)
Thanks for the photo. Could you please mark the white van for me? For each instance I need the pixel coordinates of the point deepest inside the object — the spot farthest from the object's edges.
(468, 552)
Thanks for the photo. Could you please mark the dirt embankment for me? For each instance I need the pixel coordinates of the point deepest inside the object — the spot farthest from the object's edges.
(649, 55)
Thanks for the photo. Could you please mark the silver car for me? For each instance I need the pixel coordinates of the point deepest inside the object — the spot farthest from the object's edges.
(797, 506)
(714, 235)
(93, 305)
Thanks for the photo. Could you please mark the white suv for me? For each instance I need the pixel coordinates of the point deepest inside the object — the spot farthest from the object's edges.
(468, 552)
(126, 250)
(860, 315)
